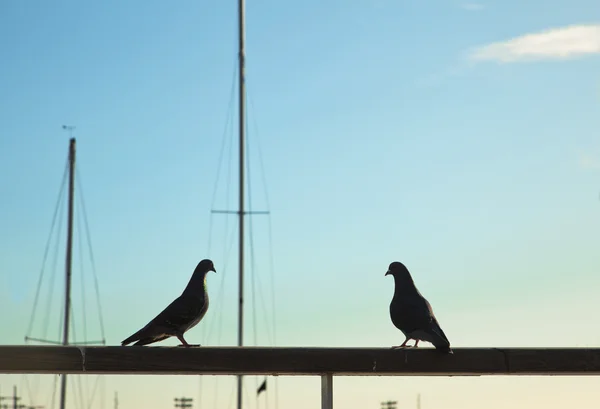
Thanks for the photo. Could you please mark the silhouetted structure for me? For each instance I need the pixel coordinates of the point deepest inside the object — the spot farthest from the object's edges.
(390, 404)
(15, 398)
(183, 403)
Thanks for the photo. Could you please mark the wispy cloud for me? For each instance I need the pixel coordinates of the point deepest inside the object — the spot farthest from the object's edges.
(472, 6)
(554, 44)
(587, 161)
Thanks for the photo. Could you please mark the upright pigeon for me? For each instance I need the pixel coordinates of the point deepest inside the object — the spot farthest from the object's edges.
(181, 315)
(412, 314)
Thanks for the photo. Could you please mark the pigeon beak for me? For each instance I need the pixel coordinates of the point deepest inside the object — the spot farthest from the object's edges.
(388, 273)
(213, 269)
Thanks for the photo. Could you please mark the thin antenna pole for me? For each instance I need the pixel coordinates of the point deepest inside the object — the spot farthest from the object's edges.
(15, 397)
(69, 258)
(242, 93)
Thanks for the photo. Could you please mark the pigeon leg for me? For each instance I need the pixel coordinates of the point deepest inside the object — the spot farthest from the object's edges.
(403, 344)
(184, 343)
(416, 343)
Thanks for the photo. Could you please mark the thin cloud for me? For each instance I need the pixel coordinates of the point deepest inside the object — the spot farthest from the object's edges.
(587, 161)
(472, 6)
(554, 44)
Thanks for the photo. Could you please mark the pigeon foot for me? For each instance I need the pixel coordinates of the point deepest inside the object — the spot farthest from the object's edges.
(189, 345)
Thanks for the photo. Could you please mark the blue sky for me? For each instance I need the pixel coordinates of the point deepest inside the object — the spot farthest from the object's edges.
(459, 138)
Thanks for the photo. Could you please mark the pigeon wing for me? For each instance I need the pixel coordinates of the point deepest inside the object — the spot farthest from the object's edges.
(179, 314)
(432, 328)
(172, 320)
(413, 315)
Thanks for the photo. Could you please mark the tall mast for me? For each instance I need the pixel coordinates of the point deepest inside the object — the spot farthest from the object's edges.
(69, 259)
(242, 125)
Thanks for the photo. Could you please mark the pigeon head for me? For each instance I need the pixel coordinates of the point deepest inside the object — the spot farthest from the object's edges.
(402, 278)
(397, 269)
(205, 266)
(198, 280)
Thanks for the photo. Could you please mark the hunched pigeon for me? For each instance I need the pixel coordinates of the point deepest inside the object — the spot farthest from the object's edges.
(412, 314)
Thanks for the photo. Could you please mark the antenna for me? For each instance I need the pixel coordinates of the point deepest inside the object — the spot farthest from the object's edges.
(70, 129)
(390, 404)
(183, 403)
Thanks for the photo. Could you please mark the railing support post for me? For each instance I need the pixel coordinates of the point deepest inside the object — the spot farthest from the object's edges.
(327, 391)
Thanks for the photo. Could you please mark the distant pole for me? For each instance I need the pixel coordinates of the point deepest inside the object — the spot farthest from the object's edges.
(183, 403)
(419, 401)
(116, 400)
(69, 258)
(390, 404)
(15, 397)
(242, 141)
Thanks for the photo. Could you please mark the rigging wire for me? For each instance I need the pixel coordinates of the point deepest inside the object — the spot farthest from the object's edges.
(44, 258)
(79, 233)
(270, 230)
(253, 274)
(90, 249)
(78, 391)
(53, 398)
(272, 268)
(82, 279)
(219, 318)
(52, 277)
(34, 388)
(102, 391)
(82, 217)
(256, 285)
(231, 394)
(226, 142)
(94, 390)
(256, 136)
(77, 386)
(228, 130)
(226, 252)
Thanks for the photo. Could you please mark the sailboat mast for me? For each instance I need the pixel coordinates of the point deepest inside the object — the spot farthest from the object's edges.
(242, 122)
(68, 263)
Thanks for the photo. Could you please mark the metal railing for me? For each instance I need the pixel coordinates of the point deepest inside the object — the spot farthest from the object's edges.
(324, 362)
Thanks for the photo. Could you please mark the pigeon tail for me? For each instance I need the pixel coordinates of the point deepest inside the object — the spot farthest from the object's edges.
(150, 340)
(445, 348)
(143, 340)
(134, 337)
(439, 340)
(128, 341)
(138, 336)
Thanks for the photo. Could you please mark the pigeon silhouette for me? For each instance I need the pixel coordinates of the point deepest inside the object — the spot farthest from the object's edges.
(412, 314)
(181, 315)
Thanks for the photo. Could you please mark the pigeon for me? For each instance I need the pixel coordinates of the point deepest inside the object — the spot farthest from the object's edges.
(412, 314)
(181, 315)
